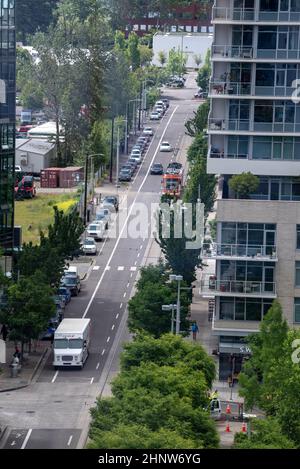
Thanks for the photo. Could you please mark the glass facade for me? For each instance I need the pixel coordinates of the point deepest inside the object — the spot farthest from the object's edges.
(243, 309)
(7, 122)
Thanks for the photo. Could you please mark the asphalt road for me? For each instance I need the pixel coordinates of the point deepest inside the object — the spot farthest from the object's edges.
(52, 412)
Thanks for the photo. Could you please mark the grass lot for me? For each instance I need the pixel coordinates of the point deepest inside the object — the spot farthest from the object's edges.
(37, 214)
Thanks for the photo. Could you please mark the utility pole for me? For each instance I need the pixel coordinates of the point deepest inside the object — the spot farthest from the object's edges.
(112, 149)
(118, 157)
(140, 105)
(126, 129)
(85, 190)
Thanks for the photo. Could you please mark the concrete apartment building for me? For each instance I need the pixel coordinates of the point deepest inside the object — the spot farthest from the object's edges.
(254, 125)
(7, 128)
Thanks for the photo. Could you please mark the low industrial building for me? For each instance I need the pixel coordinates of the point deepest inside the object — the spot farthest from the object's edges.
(33, 155)
(190, 44)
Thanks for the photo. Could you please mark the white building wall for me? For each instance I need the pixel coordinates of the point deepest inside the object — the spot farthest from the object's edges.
(190, 43)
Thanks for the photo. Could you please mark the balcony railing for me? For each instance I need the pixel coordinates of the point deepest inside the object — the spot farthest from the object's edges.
(250, 126)
(229, 88)
(240, 52)
(215, 152)
(254, 252)
(233, 14)
(249, 14)
(249, 288)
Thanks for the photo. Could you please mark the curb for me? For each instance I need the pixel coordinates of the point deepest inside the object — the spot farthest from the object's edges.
(3, 430)
(22, 386)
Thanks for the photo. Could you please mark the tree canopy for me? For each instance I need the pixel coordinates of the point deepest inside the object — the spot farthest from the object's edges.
(153, 399)
(270, 379)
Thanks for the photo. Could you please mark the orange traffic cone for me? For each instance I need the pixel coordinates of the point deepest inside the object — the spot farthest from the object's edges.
(227, 428)
(244, 430)
(228, 410)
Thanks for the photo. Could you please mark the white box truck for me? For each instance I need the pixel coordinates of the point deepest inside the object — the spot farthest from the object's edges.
(71, 343)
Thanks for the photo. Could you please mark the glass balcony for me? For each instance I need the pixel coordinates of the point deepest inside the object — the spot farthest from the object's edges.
(237, 125)
(212, 286)
(241, 251)
(233, 14)
(249, 14)
(237, 52)
(219, 87)
(240, 52)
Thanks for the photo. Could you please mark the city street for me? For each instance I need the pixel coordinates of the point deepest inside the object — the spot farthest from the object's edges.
(53, 412)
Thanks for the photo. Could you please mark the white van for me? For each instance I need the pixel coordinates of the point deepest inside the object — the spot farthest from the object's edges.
(71, 343)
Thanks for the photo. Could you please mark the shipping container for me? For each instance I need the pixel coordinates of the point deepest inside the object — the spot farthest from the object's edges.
(71, 176)
(50, 178)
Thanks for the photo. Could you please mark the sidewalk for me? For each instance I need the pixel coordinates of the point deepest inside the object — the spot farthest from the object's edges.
(29, 368)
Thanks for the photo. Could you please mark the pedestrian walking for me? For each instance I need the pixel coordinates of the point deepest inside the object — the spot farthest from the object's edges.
(195, 329)
(4, 332)
(17, 353)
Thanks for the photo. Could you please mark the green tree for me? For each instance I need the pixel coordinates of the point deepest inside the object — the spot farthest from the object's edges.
(33, 15)
(198, 59)
(136, 436)
(199, 122)
(199, 182)
(146, 55)
(180, 260)
(30, 306)
(64, 234)
(265, 434)
(244, 184)
(176, 62)
(204, 73)
(162, 57)
(134, 51)
(145, 308)
(267, 347)
(157, 398)
(168, 350)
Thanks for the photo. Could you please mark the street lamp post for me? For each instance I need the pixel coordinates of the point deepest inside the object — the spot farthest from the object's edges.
(170, 308)
(177, 278)
(86, 183)
(118, 148)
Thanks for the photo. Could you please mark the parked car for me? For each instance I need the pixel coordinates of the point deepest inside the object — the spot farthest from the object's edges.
(136, 152)
(154, 116)
(148, 131)
(103, 214)
(138, 159)
(111, 202)
(157, 168)
(159, 111)
(96, 231)
(201, 94)
(89, 246)
(166, 102)
(140, 147)
(72, 283)
(65, 292)
(125, 175)
(133, 165)
(165, 146)
(160, 103)
(133, 162)
(129, 167)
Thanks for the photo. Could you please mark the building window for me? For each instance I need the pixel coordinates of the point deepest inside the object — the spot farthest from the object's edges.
(298, 237)
(297, 274)
(297, 310)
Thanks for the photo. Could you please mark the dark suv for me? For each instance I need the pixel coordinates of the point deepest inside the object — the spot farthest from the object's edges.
(72, 283)
(112, 200)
